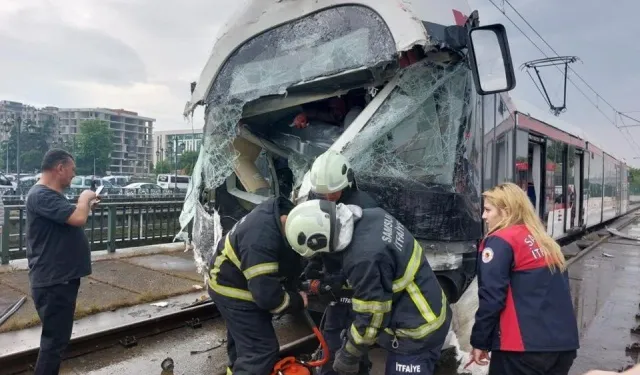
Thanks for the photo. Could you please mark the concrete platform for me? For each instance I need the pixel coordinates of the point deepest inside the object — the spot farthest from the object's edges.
(126, 278)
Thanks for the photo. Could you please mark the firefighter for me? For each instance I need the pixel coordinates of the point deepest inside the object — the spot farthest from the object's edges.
(397, 300)
(525, 315)
(332, 178)
(245, 284)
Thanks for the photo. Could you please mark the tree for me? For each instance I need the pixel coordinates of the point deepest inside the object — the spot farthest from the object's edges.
(163, 166)
(93, 143)
(188, 161)
(634, 180)
(34, 142)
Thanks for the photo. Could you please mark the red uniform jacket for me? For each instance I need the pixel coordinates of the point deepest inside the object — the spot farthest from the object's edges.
(523, 306)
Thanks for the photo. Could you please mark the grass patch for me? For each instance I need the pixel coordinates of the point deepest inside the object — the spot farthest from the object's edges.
(15, 323)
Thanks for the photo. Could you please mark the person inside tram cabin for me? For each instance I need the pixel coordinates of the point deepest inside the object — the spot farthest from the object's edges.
(337, 111)
(525, 315)
(397, 301)
(332, 178)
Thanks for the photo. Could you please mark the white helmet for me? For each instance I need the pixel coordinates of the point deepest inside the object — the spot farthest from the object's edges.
(311, 227)
(330, 173)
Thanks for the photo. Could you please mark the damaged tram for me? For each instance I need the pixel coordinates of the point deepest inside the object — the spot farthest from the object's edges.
(395, 85)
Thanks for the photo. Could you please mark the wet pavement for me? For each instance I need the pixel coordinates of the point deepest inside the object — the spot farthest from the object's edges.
(605, 286)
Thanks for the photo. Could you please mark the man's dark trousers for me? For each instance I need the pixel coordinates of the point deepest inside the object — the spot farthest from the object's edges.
(56, 305)
(252, 344)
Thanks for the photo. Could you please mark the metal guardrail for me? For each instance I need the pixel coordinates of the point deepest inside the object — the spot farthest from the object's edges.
(14, 198)
(112, 224)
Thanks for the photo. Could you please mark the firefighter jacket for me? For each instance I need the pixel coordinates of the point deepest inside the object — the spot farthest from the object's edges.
(252, 260)
(357, 197)
(523, 306)
(333, 262)
(397, 300)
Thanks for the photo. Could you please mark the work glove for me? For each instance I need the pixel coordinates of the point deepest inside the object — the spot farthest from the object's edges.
(346, 363)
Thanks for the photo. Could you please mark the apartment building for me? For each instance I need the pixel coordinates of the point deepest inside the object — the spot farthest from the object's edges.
(30, 115)
(132, 136)
(165, 142)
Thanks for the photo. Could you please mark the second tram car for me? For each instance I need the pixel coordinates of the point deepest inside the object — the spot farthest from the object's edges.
(573, 184)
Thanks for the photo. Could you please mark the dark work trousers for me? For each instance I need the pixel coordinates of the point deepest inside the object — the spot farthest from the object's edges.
(252, 344)
(338, 317)
(423, 363)
(56, 305)
(531, 363)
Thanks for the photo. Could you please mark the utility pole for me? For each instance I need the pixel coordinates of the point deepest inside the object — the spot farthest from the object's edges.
(175, 148)
(18, 130)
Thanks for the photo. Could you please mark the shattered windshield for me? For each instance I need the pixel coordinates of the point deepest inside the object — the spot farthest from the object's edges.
(325, 43)
(415, 133)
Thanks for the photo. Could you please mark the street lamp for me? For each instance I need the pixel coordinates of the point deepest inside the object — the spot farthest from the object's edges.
(7, 126)
(175, 141)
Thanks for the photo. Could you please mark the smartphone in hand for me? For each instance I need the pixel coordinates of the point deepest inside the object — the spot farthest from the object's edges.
(99, 190)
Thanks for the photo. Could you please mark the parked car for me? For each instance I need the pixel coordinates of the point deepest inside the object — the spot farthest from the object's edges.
(143, 188)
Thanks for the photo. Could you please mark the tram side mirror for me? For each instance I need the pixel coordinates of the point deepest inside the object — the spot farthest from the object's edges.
(491, 59)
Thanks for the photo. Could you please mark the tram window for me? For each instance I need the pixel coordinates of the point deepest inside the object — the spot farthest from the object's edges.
(420, 141)
(551, 171)
(503, 157)
(522, 166)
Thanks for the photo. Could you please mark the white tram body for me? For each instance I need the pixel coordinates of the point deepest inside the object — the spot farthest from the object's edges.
(431, 124)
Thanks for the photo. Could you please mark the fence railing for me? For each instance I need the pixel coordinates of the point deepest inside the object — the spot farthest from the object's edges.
(113, 224)
(11, 197)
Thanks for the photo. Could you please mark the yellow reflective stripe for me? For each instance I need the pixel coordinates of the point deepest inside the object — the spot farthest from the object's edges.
(260, 269)
(370, 307)
(230, 253)
(412, 267)
(425, 329)
(283, 305)
(229, 371)
(231, 292)
(376, 320)
(350, 348)
(420, 302)
(357, 337)
(370, 332)
(226, 291)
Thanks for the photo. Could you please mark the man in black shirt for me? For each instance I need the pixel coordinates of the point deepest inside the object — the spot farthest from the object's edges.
(58, 254)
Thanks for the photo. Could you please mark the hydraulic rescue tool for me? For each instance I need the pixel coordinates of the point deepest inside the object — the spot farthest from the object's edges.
(294, 366)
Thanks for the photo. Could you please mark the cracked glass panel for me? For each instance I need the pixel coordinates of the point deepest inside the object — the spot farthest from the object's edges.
(326, 43)
(329, 42)
(417, 154)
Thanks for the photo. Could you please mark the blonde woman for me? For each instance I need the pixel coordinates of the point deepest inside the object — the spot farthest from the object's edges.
(525, 316)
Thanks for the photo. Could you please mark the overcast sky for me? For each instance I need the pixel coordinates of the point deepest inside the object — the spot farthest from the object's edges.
(142, 54)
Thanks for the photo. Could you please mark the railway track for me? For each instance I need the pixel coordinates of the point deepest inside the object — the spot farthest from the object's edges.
(194, 316)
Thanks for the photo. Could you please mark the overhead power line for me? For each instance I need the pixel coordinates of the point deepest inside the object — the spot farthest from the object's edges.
(599, 97)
